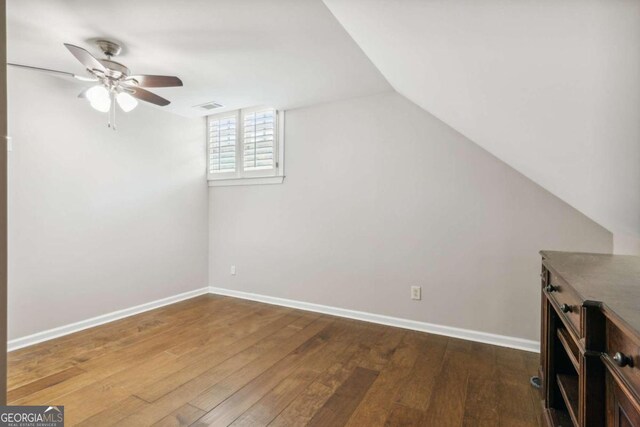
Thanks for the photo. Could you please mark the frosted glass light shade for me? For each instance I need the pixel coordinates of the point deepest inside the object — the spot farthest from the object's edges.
(126, 102)
(99, 98)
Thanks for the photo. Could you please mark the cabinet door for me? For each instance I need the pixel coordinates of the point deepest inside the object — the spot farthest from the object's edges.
(622, 411)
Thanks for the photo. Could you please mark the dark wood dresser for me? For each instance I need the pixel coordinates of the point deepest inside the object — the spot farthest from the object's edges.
(590, 339)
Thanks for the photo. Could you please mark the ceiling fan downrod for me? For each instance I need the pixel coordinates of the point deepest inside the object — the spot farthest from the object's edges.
(109, 48)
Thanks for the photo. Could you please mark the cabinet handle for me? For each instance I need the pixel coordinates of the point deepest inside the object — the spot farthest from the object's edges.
(622, 360)
(550, 288)
(565, 308)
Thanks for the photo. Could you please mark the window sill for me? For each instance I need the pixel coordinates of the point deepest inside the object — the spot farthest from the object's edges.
(246, 181)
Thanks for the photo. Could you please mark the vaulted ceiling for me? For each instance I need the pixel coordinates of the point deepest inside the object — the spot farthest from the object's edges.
(284, 53)
(551, 88)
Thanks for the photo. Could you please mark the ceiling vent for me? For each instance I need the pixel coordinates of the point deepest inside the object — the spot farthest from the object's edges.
(209, 106)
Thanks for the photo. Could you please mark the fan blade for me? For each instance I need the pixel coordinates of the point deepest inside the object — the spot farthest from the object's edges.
(155, 81)
(145, 95)
(85, 58)
(62, 73)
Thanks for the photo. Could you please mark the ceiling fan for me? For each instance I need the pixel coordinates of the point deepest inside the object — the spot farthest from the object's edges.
(115, 83)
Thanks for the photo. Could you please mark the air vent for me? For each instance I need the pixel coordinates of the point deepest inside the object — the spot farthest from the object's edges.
(209, 106)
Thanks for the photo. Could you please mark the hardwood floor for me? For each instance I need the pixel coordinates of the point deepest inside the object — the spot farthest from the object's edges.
(221, 361)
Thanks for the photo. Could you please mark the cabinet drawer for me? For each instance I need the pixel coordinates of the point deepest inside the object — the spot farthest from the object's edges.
(622, 410)
(622, 354)
(566, 300)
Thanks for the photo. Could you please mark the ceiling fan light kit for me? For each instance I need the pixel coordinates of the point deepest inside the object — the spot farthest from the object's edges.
(115, 85)
(126, 101)
(99, 98)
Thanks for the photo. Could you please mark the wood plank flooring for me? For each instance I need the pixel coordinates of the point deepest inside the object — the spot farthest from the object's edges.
(221, 361)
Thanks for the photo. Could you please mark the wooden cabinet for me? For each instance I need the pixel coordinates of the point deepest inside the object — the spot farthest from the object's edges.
(622, 410)
(590, 343)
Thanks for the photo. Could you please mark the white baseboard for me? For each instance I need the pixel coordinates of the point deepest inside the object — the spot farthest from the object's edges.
(99, 320)
(466, 334)
(483, 337)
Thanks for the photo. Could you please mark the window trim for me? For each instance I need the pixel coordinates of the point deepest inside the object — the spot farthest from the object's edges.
(266, 180)
(274, 175)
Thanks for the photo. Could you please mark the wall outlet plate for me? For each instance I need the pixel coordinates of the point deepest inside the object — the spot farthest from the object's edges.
(416, 292)
(233, 270)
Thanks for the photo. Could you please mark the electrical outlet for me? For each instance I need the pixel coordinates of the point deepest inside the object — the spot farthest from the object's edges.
(416, 292)
(233, 270)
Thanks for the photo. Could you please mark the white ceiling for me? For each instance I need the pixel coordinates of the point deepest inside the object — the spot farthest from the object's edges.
(550, 87)
(284, 53)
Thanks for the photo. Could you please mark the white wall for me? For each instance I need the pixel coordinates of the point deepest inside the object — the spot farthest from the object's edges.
(549, 87)
(99, 220)
(380, 195)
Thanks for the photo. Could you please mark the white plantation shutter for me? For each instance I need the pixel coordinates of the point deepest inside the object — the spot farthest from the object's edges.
(245, 147)
(222, 144)
(258, 140)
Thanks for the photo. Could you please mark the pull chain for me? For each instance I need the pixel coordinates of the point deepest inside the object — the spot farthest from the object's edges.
(112, 112)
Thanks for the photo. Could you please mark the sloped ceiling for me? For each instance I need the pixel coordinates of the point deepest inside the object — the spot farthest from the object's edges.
(551, 88)
(284, 53)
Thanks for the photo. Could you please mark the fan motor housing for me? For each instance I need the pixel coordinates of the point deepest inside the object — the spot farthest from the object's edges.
(115, 70)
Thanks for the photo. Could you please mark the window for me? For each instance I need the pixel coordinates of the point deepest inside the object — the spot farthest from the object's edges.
(258, 136)
(245, 147)
(222, 145)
